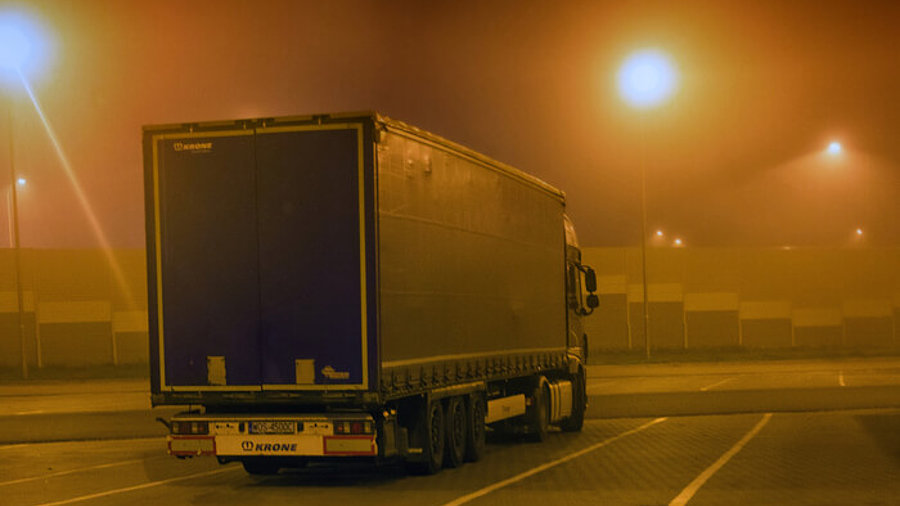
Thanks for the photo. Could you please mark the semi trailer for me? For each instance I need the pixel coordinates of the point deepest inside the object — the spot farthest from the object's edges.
(347, 286)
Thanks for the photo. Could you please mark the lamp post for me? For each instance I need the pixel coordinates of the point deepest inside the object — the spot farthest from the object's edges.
(646, 79)
(15, 49)
(16, 244)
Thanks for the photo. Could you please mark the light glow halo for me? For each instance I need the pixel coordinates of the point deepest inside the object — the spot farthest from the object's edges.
(15, 47)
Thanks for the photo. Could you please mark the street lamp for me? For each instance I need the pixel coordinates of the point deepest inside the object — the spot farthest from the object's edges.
(15, 50)
(646, 79)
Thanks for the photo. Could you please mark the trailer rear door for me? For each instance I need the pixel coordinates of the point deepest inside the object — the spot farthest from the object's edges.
(312, 268)
(207, 259)
(259, 255)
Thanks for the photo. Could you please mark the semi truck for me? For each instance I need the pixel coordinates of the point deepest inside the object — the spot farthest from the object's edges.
(347, 286)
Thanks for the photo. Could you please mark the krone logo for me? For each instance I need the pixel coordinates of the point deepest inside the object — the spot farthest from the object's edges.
(330, 373)
(247, 446)
(202, 147)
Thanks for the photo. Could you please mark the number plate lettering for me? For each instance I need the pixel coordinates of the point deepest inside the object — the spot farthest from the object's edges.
(274, 427)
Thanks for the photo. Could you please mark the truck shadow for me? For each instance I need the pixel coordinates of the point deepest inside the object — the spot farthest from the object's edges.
(883, 429)
(334, 475)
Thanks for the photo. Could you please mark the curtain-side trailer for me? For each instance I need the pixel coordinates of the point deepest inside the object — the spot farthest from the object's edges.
(349, 286)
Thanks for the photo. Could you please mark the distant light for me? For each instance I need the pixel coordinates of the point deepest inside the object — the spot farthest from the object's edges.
(859, 231)
(834, 148)
(659, 233)
(647, 78)
(677, 242)
(21, 181)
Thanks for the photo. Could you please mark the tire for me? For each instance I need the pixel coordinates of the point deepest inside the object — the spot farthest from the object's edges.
(539, 417)
(455, 445)
(260, 467)
(434, 438)
(475, 431)
(575, 421)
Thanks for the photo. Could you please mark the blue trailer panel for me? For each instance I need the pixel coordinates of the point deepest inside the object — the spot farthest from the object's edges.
(259, 241)
(207, 268)
(312, 255)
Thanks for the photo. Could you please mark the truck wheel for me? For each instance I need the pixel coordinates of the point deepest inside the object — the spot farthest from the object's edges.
(539, 418)
(575, 421)
(475, 433)
(455, 449)
(260, 467)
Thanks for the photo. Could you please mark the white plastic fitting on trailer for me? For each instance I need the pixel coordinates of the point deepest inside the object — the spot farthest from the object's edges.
(505, 407)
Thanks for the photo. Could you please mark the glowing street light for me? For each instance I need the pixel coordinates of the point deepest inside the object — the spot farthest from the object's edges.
(15, 47)
(678, 242)
(834, 148)
(646, 79)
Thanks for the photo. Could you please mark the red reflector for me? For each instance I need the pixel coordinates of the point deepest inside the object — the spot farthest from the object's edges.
(356, 428)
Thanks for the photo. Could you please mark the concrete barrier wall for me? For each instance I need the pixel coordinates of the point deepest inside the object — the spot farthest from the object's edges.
(752, 298)
(87, 307)
(81, 308)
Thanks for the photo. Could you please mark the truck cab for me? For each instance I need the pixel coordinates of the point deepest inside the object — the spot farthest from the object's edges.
(581, 285)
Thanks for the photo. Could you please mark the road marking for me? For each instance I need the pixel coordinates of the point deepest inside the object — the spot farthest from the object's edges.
(10, 447)
(841, 379)
(82, 441)
(138, 487)
(543, 467)
(32, 412)
(686, 494)
(718, 383)
(71, 471)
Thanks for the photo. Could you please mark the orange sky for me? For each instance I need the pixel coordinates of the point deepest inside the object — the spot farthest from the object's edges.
(731, 160)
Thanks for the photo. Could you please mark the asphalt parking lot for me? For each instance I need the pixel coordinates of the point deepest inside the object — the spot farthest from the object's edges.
(793, 432)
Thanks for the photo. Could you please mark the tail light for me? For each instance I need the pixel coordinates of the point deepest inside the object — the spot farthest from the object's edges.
(190, 428)
(354, 427)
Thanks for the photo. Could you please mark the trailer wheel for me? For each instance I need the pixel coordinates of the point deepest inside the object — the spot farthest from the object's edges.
(539, 417)
(575, 421)
(434, 433)
(475, 433)
(455, 449)
(260, 467)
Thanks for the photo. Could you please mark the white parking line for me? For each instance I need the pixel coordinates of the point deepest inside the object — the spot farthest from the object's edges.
(70, 471)
(718, 383)
(686, 494)
(543, 467)
(17, 445)
(138, 487)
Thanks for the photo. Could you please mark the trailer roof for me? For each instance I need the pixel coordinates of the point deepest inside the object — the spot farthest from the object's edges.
(390, 124)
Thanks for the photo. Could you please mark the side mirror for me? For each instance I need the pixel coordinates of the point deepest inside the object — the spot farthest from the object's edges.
(590, 280)
(593, 301)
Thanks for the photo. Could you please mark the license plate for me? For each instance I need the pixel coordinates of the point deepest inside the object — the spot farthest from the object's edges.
(276, 427)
